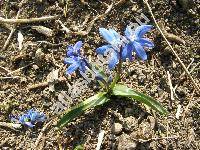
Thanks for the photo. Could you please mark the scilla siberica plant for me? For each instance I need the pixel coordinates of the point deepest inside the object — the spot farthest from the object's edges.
(30, 118)
(120, 48)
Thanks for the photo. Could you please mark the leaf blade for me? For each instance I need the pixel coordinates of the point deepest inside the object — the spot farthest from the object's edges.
(75, 111)
(121, 90)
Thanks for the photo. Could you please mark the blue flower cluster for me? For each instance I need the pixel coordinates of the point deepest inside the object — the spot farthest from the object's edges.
(119, 47)
(136, 42)
(74, 58)
(30, 118)
(133, 41)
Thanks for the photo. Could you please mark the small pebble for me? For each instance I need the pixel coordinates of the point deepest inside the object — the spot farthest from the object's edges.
(117, 128)
(35, 67)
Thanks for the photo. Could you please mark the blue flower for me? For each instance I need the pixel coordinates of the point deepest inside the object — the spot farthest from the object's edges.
(74, 50)
(30, 118)
(136, 42)
(114, 40)
(74, 58)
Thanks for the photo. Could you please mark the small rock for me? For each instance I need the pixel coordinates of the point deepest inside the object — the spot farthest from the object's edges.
(152, 122)
(130, 123)
(39, 57)
(35, 67)
(145, 130)
(131, 146)
(125, 143)
(117, 128)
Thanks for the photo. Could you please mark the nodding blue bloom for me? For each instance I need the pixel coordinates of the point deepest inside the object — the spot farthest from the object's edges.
(114, 40)
(136, 42)
(30, 118)
(74, 58)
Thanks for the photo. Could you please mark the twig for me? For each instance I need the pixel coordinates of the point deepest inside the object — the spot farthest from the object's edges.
(173, 51)
(178, 111)
(12, 77)
(152, 139)
(192, 69)
(39, 85)
(42, 133)
(187, 68)
(52, 44)
(12, 72)
(13, 28)
(90, 24)
(4, 70)
(63, 27)
(30, 20)
(43, 84)
(11, 125)
(171, 88)
(93, 21)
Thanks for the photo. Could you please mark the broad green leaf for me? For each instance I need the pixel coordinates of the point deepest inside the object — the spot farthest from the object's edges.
(75, 111)
(117, 76)
(121, 90)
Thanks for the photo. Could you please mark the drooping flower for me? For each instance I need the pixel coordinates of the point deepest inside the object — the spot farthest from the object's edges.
(74, 58)
(114, 40)
(136, 42)
(30, 118)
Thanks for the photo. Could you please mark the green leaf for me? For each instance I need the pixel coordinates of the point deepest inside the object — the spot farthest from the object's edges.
(117, 76)
(121, 90)
(75, 111)
(79, 147)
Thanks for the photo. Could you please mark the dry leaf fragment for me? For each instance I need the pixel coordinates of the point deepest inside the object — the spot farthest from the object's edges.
(43, 30)
(52, 78)
(20, 39)
(100, 139)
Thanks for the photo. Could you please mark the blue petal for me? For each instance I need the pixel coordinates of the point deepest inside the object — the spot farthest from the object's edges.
(70, 50)
(77, 47)
(72, 68)
(116, 35)
(68, 60)
(140, 52)
(114, 58)
(41, 117)
(141, 30)
(29, 124)
(146, 42)
(106, 35)
(101, 50)
(23, 118)
(34, 116)
(127, 52)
